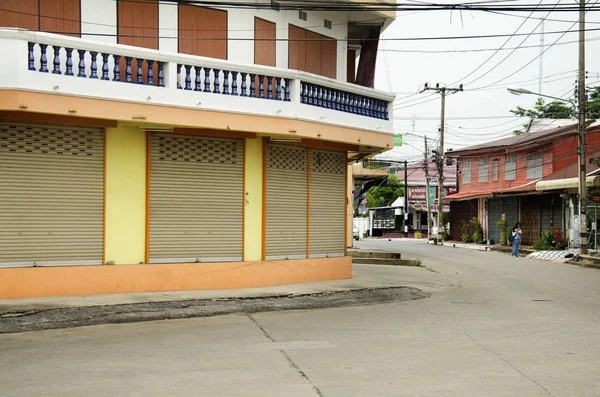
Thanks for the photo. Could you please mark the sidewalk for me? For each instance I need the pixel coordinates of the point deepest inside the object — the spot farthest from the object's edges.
(370, 284)
(524, 250)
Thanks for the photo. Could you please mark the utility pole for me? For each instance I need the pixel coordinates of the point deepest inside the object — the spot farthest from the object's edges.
(427, 198)
(581, 132)
(443, 91)
(405, 198)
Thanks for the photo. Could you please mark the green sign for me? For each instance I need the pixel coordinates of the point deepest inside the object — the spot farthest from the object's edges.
(397, 140)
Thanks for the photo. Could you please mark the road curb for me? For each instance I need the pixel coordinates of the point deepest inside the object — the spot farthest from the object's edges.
(69, 317)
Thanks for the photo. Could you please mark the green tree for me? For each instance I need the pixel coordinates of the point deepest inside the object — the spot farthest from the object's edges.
(542, 110)
(384, 195)
(593, 105)
(559, 110)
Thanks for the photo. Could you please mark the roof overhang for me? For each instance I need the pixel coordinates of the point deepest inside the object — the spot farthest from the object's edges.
(469, 195)
(567, 183)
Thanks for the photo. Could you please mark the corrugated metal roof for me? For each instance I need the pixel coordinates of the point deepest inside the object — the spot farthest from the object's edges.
(518, 141)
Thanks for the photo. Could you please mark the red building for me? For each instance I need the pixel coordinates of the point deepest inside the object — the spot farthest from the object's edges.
(525, 178)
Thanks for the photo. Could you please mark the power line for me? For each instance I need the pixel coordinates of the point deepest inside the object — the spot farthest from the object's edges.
(513, 51)
(467, 37)
(534, 59)
(482, 49)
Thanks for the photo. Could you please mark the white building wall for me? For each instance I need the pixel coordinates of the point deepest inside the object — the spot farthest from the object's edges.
(168, 23)
(99, 21)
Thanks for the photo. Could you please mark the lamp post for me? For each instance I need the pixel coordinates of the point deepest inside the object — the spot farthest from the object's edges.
(582, 168)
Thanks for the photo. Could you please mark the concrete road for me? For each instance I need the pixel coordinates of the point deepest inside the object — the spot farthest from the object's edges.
(508, 327)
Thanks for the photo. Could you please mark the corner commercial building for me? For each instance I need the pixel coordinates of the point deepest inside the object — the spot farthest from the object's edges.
(150, 146)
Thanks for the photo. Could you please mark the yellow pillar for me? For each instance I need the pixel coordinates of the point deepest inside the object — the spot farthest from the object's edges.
(253, 211)
(125, 227)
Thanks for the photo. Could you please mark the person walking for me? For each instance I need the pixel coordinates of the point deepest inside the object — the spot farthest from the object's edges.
(516, 239)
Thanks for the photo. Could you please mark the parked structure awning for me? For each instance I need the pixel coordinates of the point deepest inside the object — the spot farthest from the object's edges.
(566, 183)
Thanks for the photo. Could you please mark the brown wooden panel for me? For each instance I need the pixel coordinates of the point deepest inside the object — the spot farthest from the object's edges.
(19, 14)
(137, 23)
(530, 219)
(202, 31)
(351, 67)
(265, 34)
(329, 57)
(61, 16)
(297, 48)
(313, 53)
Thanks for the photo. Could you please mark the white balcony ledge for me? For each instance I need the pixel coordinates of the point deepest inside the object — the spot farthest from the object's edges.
(173, 81)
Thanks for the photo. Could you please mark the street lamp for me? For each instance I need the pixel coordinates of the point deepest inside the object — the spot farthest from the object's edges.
(519, 91)
(582, 168)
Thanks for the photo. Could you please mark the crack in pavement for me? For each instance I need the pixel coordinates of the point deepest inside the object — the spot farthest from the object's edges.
(289, 359)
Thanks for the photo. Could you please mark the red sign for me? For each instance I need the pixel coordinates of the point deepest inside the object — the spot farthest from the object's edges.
(418, 193)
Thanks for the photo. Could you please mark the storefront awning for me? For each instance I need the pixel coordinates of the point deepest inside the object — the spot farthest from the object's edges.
(566, 183)
(469, 195)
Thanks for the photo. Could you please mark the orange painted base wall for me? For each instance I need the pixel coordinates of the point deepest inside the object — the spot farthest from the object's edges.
(81, 280)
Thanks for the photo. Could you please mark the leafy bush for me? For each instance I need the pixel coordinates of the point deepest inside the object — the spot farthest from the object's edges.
(465, 233)
(477, 230)
(504, 230)
(551, 240)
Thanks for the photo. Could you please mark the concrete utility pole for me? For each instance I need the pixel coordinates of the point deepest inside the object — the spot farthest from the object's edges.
(581, 132)
(405, 198)
(427, 198)
(443, 91)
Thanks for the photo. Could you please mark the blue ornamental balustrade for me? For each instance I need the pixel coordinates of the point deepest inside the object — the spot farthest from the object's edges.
(343, 101)
(204, 79)
(63, 62)
(233, 82)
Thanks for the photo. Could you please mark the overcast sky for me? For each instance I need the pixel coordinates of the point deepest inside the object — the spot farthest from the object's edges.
(481, 112)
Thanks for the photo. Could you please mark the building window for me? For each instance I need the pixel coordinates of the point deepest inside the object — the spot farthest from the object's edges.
(534, 165)
(483, 169)
(466, 171)
(312, 52)
(60, 17)
(202, 31)
(495, 168)
(510, 172)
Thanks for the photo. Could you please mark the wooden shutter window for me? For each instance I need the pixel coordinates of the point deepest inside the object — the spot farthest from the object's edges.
(20, 14)
(61, 16)
(202, 31)
(265, 34)
(312, 52)
(297, 48)
(137, 23)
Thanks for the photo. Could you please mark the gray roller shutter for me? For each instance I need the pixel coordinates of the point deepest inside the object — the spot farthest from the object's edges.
(327, 204)
(287, 201)
(51, 195)
(510, 208)
(551, 207)
(494, 215)
(196, 193)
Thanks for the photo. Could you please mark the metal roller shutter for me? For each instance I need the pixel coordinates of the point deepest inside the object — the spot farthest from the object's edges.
(557, 212)
(327, 203)
(494, 215)
(51, 195)
(510, 207)
(196, 193)
(287, 201)
(546, 212)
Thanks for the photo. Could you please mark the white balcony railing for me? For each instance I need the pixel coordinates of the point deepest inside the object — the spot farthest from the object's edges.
(46, 62)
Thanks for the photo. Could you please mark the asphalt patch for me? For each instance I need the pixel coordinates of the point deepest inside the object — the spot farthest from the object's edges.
(69, 317)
